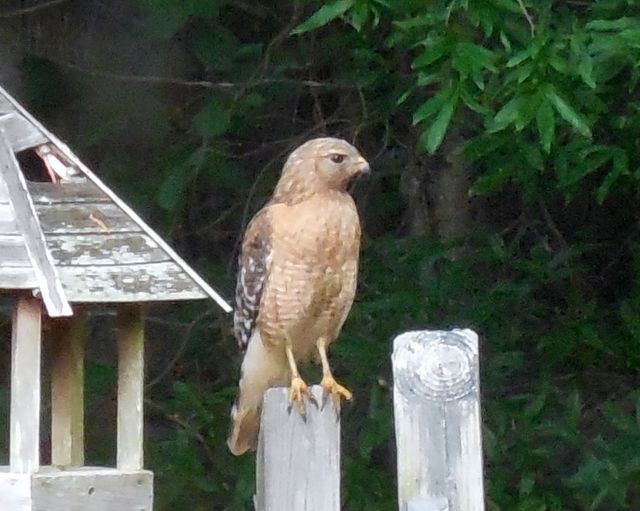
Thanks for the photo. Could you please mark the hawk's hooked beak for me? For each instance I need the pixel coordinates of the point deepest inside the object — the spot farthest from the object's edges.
(362, 169)
(363, 166)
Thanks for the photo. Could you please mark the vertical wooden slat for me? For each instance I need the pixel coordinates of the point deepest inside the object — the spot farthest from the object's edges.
(298, 461)
(67, 391)
(24, 441)
(130, 387)
(437, 421)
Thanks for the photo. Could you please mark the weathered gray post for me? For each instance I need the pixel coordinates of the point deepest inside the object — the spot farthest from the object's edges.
(437, 420)
(298, 459)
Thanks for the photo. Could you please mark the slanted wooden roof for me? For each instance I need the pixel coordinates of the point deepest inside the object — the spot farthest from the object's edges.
(75, 240)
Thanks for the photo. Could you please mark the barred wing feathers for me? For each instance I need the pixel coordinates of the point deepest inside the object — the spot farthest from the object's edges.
(253, 266)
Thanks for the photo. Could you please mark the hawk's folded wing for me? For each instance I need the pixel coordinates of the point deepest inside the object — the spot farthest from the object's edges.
(253, 268)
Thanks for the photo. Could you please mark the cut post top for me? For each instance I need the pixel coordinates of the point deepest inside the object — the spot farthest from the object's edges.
(436, 365)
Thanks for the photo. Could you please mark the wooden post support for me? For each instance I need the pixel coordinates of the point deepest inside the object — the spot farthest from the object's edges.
(437, 421)
(24, 455)
(67, 391)
(298, 460)
(130, 387)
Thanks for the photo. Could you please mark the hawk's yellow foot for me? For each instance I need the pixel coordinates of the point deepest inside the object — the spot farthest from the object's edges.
(331, 387)
(297, 392)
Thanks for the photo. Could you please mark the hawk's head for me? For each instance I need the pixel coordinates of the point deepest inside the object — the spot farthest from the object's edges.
(321, 164)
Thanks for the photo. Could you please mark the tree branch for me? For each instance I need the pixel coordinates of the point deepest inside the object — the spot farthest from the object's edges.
(162, 80)
(524, 10)
(33, 8)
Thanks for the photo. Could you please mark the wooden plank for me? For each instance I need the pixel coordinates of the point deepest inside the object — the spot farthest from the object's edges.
(15, 491)
(8, 223)
(68, 338)
(24, 450)
(104, 249)
(13, 252)
(437, 421)
(20, 133)
(84, 219)
(298, 460)
(62, 147)
(48, 282)
(130, 387)
(18, 278)
(92, 489)
(128, 283)
(66, 193)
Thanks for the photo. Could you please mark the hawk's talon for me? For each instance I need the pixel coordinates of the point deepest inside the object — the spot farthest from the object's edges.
(331, 386)
(297, 392)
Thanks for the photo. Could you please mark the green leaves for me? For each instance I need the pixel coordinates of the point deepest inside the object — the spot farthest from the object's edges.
(507, 114)
(433, 136)
(324, 15)
(213, 120)
(546, 123)
(471, 61)
(443, 107)
(566, 111)
(431, 54)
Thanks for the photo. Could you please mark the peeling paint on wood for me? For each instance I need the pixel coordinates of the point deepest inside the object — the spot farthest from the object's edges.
(105, 250)
(48, 281)
(13, 253)
(128, 283)
(89, 207)
(66, 193)
(84, 219)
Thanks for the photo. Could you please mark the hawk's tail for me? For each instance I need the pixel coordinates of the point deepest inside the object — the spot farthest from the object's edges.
(262, 367)
(245, 425)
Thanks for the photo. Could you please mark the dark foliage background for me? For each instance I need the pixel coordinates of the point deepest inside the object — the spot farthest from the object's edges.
(504, 140)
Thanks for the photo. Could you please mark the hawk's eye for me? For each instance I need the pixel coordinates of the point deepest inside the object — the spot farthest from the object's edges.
(337, 158)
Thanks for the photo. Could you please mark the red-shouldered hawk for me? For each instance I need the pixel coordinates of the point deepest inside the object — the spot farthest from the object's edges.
(296, 280)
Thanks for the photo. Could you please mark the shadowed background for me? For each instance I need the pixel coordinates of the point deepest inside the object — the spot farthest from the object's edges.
(503, 138)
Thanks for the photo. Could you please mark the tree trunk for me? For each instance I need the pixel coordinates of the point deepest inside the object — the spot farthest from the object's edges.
(437, 193)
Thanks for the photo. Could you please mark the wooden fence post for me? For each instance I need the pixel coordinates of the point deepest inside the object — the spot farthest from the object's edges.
(67, 390)
(24, 443)
(437, 420)
(130, 454)
(298, 460)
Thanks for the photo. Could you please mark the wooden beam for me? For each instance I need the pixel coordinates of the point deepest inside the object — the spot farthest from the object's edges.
(67, 390)
(24, 448)
(49, 283)
(130, 387)
(298, 461)
(437, 421)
